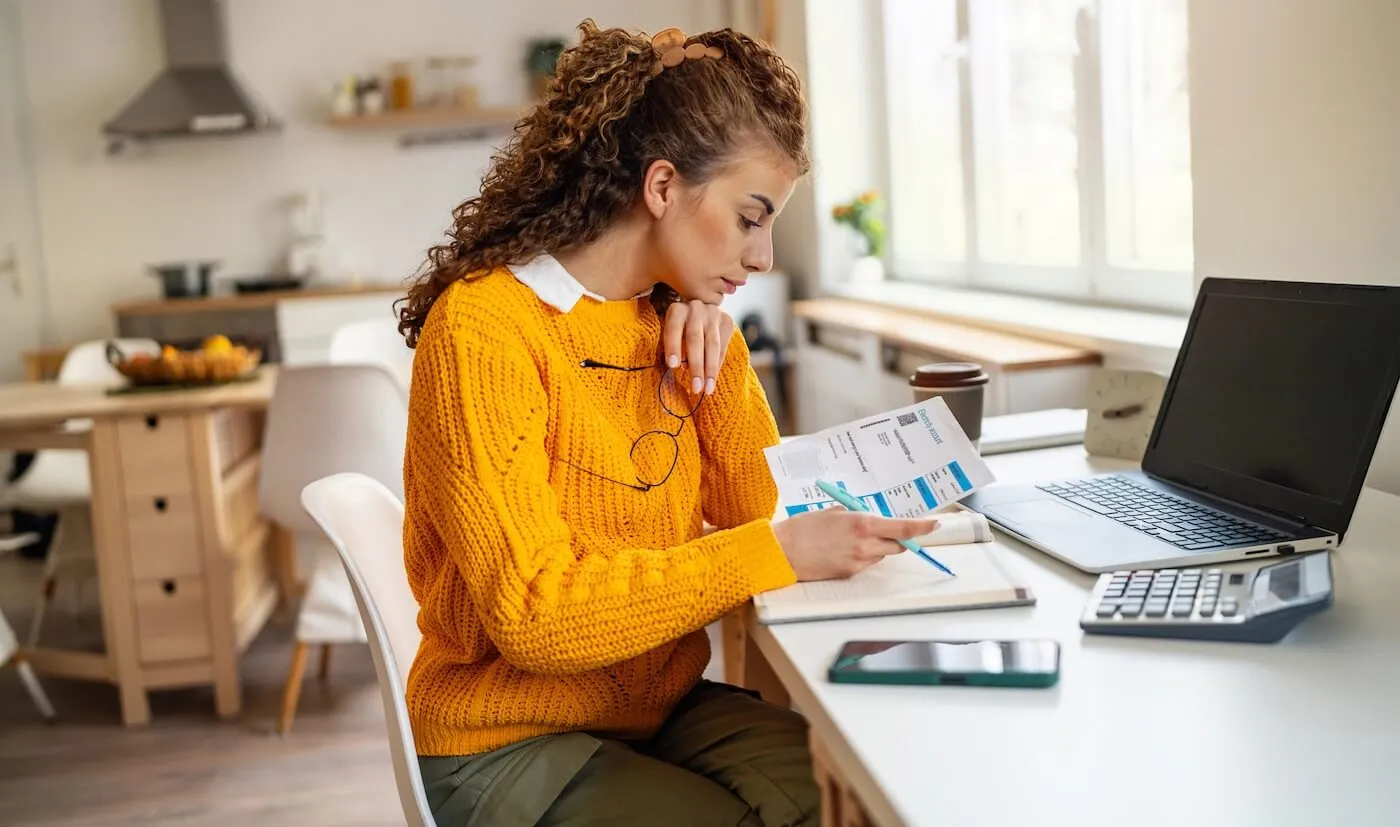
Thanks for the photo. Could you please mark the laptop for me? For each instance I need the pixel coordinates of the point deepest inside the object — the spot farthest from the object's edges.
(1261, 444)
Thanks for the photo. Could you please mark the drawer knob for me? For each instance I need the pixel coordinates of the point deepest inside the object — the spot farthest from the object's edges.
(160, 504)
(167, 586)
(152, 422)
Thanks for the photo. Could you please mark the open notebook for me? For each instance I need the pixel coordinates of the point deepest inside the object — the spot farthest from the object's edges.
(904, 584)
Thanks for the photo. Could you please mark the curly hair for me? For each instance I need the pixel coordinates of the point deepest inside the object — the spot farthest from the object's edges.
(577, 161)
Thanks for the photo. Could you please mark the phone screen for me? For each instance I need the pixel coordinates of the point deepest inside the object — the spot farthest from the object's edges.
(945, 657)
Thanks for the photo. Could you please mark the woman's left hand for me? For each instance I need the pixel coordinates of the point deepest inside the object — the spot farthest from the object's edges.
(697, 334)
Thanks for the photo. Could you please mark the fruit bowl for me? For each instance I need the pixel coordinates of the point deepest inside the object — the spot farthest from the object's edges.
(218, 361)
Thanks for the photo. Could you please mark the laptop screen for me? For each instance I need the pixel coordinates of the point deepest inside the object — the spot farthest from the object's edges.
(1279, 394)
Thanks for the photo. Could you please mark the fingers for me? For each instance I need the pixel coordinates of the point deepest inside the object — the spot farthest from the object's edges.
(875, 549)
(673, 332)
(714, 352)
(895, 528)
(698, 335)
(695, 329)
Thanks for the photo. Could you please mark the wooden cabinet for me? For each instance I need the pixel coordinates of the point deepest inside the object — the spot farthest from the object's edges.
(182, 553)
(854, 360)
(192, 584)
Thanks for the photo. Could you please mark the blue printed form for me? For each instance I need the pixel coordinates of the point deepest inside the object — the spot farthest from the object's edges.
(904, 463)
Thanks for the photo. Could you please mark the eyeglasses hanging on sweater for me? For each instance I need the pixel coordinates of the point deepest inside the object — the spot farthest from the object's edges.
(656, 445)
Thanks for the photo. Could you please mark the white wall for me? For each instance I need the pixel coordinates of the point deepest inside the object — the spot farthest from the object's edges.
(105, 218)
(1295, 143)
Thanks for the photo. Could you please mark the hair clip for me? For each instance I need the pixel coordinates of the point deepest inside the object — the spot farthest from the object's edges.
(670, 48)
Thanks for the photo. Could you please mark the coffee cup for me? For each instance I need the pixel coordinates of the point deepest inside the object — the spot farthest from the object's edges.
(963, 387)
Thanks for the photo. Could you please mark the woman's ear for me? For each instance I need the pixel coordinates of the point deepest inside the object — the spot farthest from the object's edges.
(659, 187)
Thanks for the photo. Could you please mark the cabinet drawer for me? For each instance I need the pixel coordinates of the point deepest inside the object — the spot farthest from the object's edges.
(155, 454)
(163, 536)
(172, 619)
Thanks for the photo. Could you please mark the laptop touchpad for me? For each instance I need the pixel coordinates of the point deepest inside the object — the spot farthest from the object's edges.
(1043, 518)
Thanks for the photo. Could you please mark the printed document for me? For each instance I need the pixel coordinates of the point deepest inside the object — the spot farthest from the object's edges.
(904, 463)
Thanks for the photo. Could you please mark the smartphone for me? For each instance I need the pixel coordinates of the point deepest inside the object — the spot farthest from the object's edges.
(948, 662)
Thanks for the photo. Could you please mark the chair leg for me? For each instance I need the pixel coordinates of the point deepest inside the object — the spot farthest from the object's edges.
(325, 662)
(46, 592)
(35, 689)
(291, 694)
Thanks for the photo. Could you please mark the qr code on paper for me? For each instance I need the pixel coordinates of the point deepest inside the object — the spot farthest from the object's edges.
(907, 419)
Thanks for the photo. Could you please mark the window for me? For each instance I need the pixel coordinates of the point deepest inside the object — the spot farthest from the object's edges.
(1040, 146)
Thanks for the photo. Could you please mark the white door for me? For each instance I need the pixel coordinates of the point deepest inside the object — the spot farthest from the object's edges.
(24, 309)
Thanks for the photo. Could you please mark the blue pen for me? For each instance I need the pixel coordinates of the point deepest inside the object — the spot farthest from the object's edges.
(840, 495)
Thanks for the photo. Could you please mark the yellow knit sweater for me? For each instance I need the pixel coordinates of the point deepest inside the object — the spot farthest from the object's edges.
(552, 600)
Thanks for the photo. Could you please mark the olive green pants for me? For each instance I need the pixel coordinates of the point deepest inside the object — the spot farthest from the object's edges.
(723, 758)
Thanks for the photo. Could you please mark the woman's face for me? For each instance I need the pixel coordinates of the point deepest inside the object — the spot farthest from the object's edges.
(708, 239)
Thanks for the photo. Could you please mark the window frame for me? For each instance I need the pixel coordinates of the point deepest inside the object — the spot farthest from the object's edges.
(1101, 112)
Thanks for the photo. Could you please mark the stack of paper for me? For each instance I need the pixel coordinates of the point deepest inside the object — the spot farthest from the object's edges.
(906, 463)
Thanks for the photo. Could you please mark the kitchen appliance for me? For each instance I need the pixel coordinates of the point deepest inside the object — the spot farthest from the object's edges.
(197, 92)
(267, 284)
(184, 279)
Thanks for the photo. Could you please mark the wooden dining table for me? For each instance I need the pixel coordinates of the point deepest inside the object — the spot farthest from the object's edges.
(188, 569)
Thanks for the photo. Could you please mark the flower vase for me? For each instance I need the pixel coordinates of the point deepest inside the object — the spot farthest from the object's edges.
(867, 271)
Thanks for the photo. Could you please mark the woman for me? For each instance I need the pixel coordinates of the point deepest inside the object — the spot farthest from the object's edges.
(568, 438)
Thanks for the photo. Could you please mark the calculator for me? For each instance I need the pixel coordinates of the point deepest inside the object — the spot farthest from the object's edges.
(1259, 605)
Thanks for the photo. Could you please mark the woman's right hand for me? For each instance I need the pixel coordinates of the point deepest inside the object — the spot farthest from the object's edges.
(836, 543)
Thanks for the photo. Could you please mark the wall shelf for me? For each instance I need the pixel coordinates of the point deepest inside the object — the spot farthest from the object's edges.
(437, 125)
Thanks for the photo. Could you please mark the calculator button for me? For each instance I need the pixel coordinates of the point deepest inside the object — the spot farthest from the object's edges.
(1131, 609)
(1107, 610)
(1229, 607)
(1181, 609)
(1207, 608)
(1155, 608)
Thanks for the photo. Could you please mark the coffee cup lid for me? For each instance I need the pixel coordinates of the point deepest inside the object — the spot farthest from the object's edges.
(948, 375)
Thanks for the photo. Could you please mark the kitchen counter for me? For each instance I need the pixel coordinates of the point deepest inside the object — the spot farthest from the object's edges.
(250, 301)
(288, 326)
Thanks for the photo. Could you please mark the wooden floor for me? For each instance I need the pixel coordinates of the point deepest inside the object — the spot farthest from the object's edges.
(188, 767)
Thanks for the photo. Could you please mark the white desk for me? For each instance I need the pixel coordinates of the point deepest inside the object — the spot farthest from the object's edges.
(1138, 731)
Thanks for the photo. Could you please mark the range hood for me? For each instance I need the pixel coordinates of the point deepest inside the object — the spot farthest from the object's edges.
(196, 93)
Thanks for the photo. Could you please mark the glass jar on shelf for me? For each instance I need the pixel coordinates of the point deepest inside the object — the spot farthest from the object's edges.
(439, 83)
(464, 93)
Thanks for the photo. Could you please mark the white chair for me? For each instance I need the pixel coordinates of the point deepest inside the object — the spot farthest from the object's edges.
(364, 522)
(323, 420)
(373, 342)
(9, 646)
(58, 479)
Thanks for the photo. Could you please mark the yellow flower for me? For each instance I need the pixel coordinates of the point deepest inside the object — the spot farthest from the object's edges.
(841, 211)
(867, 197)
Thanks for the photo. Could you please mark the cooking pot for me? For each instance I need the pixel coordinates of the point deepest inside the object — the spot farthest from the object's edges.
(182, 279)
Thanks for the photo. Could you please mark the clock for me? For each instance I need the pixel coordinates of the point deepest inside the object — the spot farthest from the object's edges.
(1122, 409)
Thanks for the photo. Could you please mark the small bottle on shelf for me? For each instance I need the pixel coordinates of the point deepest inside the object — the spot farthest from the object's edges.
(401, 96)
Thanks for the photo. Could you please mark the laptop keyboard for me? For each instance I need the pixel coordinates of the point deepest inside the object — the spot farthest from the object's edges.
(1180, 522)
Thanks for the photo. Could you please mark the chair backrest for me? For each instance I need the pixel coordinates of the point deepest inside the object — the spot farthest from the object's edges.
(86, 363)
(373, 342)
(323, 420)
(364, 521)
